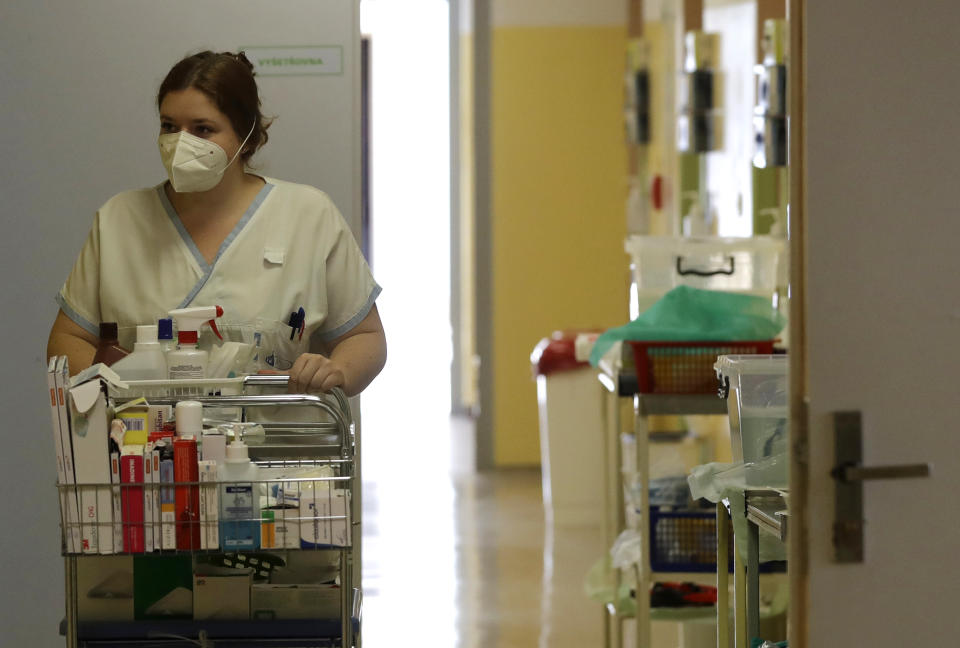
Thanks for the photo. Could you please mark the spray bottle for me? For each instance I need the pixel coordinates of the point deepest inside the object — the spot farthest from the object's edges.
(187, 360)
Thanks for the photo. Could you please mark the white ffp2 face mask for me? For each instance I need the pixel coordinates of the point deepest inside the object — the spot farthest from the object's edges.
(193, 163)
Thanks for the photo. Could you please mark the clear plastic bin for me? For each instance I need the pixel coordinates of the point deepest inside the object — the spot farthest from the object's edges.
(757, 392)
(756, 265)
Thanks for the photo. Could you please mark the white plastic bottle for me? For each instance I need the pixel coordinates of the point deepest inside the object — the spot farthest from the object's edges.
(147, 361)
(239, 500)
(189, 418)
(188, 360)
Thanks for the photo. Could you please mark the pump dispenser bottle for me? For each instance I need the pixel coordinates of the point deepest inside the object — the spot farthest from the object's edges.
(147, 361)
(109, 349)
(188, 360)
(239, 499)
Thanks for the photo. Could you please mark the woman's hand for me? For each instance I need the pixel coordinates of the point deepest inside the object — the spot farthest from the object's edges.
(314, 373)
(351, 361)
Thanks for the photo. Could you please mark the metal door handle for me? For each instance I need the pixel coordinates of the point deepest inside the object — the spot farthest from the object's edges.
(853, 473)
(848, 524)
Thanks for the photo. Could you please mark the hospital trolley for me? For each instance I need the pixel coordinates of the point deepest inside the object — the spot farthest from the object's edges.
(308, 456)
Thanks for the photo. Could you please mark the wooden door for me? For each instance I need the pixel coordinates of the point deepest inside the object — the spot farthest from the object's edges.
(876, 227)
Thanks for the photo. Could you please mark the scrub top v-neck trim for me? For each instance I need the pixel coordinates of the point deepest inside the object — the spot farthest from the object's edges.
(291, 250)
(208, 268)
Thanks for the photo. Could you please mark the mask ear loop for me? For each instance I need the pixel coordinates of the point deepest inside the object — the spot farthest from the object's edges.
(242, 144)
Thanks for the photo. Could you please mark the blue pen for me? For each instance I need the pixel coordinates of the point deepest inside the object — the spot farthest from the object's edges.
(297, 322)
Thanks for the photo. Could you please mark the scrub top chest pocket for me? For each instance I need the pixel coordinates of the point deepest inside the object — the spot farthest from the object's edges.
(285, 339)
(282, 343)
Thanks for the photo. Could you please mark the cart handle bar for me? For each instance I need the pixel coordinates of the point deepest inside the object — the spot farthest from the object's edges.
(281, 380)
(340, 418)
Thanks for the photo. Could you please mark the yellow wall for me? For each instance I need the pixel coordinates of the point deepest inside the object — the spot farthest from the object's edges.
(559, 185)
(467, 350)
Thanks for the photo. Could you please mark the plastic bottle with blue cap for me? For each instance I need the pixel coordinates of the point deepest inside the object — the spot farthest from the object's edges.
(165, 334)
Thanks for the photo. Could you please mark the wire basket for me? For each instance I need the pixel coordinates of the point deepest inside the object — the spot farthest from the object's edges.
(685, 367)
(150, 516)
(684, 541)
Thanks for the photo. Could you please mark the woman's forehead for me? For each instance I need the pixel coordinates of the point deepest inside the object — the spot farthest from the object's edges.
(189, 104)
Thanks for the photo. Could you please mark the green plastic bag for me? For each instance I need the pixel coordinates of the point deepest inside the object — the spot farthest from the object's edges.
(598, 585)
(688, 314)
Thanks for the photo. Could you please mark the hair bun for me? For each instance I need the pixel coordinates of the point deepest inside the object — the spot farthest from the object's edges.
(242, 57)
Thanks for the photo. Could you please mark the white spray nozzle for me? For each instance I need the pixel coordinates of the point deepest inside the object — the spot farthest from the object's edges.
(191, 319)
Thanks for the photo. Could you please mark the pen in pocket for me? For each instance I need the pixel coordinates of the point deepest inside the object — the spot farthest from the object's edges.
(297, 323)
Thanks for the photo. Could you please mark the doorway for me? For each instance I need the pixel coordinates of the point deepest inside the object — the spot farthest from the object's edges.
(408, 444)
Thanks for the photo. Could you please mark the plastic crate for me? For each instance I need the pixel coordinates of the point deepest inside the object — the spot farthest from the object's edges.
(685, 540)
(757, 391)
(685, 367)
(756, 265)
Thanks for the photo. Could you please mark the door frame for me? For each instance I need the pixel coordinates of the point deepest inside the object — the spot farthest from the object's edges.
(799, 429)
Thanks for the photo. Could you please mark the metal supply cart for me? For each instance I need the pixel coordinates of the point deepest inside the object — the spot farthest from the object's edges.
(308, 457)
(667, 378)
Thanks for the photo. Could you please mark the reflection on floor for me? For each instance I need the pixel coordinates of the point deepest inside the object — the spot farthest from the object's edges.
(458, 559)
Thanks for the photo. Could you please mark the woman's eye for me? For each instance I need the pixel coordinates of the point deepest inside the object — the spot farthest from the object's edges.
(204, 130)
(167, 127)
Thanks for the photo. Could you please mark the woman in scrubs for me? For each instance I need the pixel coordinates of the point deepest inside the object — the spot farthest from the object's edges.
(216, 234)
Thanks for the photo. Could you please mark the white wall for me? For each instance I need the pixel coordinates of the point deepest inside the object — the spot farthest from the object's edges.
(78, 83)
(729, 170)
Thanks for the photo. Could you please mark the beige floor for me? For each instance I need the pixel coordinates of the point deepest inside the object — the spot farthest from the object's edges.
(461, 559)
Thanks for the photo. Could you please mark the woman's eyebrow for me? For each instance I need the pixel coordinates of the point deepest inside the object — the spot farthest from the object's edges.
(198, 120)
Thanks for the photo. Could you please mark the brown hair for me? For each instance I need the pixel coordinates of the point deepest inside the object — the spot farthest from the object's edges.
(227, 79)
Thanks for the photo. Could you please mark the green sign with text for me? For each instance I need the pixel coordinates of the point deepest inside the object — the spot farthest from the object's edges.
(312, 60)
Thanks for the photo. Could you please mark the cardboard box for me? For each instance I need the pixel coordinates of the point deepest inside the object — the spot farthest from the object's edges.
(295, 601)
(105, 588)
(90, 418)
(162, 587)
(142, 420)
(134, 419)
(209, 506)
(117, 499)
(324, 517)
(154, 494)
(69, 511)
(168, 514)
(280, 527)
(222, 593)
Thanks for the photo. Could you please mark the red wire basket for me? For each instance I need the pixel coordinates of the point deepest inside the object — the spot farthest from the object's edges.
(685, 367)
